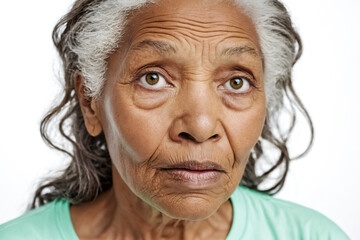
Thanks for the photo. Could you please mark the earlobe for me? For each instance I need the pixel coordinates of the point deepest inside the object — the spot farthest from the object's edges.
(88, 107)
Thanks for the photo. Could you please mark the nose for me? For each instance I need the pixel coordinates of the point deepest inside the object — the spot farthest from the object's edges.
(197, 115)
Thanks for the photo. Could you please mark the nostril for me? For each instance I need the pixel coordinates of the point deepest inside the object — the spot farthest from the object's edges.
(216, 136)
(187, 136)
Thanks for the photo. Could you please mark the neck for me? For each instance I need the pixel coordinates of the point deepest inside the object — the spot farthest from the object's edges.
(120, 214)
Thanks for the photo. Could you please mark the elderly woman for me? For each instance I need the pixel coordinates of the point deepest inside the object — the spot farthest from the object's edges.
(170, 106)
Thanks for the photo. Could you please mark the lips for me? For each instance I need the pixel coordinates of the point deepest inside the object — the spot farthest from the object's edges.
(194, 174)
(195, 166)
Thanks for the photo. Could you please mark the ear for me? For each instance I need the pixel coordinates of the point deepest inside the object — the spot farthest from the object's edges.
(88, 107)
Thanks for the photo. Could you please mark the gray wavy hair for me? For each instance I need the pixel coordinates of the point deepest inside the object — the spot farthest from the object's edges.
(92, 30)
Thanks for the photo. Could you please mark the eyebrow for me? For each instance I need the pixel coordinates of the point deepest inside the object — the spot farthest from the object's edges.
(161, 47)
(240, 50)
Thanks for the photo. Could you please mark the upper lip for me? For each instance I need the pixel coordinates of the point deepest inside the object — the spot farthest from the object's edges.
(195, 166)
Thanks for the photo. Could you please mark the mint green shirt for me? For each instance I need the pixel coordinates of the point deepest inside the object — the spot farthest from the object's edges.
(255, 216)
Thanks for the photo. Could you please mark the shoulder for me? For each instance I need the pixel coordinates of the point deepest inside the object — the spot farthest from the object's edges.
(282, 219)
(50, 221)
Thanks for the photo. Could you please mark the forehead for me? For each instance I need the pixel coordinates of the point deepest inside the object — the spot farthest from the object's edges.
(195, 23)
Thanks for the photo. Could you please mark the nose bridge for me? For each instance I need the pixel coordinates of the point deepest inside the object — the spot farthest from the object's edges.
(198, 111)
(198, 99)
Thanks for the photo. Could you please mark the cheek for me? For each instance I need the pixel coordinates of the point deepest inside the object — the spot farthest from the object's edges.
(244, 129)
(139, 132)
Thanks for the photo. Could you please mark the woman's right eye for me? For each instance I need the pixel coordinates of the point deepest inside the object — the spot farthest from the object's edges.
(153, 80)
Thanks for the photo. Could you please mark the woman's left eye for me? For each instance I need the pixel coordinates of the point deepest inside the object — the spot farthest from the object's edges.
(238, 85)
(153, 80)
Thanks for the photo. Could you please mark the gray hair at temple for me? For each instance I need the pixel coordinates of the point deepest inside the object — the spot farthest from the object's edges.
(93, 29)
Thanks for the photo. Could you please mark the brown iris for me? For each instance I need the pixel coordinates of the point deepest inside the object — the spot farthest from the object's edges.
(152, 78)
(236, 83)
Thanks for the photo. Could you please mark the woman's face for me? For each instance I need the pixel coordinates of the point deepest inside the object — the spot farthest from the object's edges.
(183, 105)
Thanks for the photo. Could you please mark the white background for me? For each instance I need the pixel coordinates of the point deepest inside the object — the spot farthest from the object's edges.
(327, 79)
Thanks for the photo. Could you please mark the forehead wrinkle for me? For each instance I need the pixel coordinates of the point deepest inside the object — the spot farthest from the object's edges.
(191, 22)
(174, 32)
(194, 30)
(179, 36)
(193, 26)
(154, 19)
(160, 46)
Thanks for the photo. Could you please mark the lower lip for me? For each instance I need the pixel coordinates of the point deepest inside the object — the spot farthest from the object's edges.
(193, 178)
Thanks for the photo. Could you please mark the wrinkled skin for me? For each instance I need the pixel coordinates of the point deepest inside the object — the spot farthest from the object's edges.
(170, 97)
